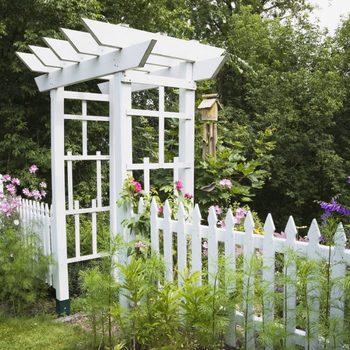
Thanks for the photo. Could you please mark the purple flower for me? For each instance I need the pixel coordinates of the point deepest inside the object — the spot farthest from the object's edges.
(33, 169)
(36, 194)
(205, 248)
(43, 184)
(226, 183)
(222, 224)
(26, 192)
(218, 210)
(334, 207)
(240, 214)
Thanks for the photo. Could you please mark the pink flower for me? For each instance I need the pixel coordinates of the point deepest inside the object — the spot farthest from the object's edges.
(140, 245)
(16, 181)
(226, 183)
(179, 185)
(33, 169)
(43, 184)
(26, 192)
(188, 195)
(2, 195)
(137, 185)
(240, 214)
(6, 178)
(218, 210)
(222, 224)
(43, 193)
(160, 210)
(205, 248)
(36, 194)
(11, 188)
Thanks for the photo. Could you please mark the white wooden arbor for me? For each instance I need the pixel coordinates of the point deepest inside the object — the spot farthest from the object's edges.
(127, 60)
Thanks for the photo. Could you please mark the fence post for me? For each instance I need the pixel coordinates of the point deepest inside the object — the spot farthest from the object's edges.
(212, 246)
(196, 242)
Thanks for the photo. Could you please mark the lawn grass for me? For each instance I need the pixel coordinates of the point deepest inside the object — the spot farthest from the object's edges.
(40, 333)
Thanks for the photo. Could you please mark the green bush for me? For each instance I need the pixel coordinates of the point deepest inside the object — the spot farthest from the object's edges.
(23, 267)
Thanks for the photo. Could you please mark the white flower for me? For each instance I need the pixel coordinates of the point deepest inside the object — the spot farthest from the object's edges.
(16, 222)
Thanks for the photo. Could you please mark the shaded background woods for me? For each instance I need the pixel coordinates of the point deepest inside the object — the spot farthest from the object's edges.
(284, 129)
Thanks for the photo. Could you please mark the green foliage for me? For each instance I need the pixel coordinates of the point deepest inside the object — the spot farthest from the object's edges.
(23, 267)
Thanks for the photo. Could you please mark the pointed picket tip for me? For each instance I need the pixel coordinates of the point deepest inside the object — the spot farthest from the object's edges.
(291, 230)
(339, 237)
(196, 215)
(167, 209)
(212, 218)
(314, 233)
(269, 226)
(154, 206)
(229, 219)
(181, 212)
(249, 222)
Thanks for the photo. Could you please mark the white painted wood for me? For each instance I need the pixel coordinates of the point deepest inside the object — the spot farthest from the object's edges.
(98, 180)
(151, 79)
(248, 287)
(86, 257)
(174, 165)
(87, 157)
(118, 36)
(313, 288)
(207, 69)
(181, 243)
(337, 295)
(70, 181)
(212, 247)
(196, 242)
(112, 62)
(87, 96)
(48, 57)
(168, 243)
(161, 129)
(87, 210)
(77, 229)
(34, 64)
(157, 114)
(186, 135)
(65, 51)
(84, 43)
(84, 129)
(91, 118)
(175, 173)
(154, 228)
(230, 269)
(290, 270)
(146, 176)
(268, 274)
(59, 236)
(104, 87)
(94, 227)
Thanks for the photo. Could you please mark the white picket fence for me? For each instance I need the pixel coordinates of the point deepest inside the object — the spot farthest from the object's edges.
(190, 233)
(35, 218)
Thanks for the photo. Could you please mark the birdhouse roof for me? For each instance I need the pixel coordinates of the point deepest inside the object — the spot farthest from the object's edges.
(208, 103)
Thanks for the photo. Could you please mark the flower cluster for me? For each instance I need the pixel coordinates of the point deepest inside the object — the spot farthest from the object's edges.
(226, 183)
(240, 214)
(10, 199)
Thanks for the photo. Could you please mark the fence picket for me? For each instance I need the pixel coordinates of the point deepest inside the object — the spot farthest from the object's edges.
(181, 243)
(248, 287)
(313, 288)
(230, 268)
(268, 275)
(77, 229)
(168, 243)
(337, 300)
(154, 227)
(290, 270)
(196, 242)
(212, 246)
(94, 226)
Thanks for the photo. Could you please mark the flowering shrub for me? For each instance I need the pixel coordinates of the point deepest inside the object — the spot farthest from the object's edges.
(10, 198)
(334, 213)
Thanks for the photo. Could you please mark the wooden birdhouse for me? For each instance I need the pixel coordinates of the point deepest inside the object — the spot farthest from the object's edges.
(209, 107)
